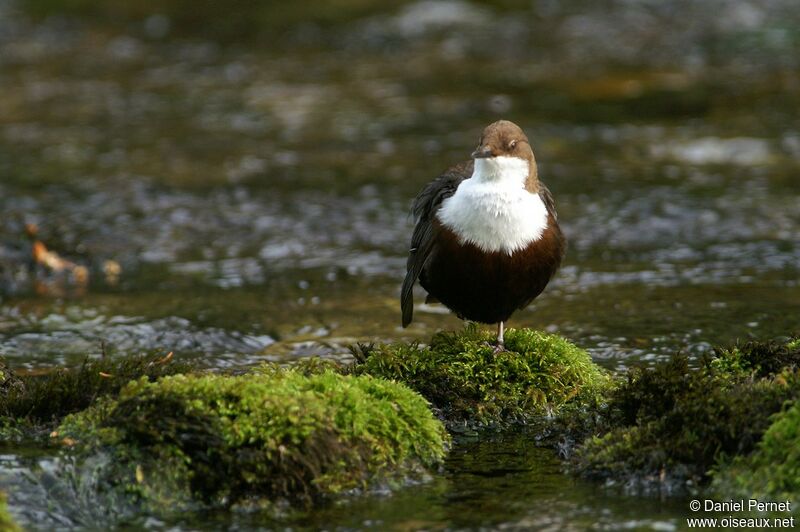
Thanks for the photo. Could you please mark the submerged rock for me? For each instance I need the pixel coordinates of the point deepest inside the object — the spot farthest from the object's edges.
(671, 426)
(469, 385)
(263, 438)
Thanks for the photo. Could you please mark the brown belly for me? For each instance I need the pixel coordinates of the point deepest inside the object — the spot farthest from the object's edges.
(489, 287)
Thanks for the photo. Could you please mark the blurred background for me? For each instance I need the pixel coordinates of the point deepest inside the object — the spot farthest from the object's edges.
(232, 180)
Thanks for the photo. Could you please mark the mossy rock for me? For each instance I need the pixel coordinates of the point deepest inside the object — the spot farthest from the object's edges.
(772, 471)
(469, 384)
(272, 436)
(672, 424)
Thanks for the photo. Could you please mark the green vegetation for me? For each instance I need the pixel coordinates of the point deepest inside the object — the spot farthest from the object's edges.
(675, 423)
(37, 399)
(274, 435)
(468, 383)
(772, 472)
(7, 524)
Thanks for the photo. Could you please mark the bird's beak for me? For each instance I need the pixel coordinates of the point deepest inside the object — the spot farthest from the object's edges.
(482, 152)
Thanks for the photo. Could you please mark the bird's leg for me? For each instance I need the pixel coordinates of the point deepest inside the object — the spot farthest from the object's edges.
(500, 346)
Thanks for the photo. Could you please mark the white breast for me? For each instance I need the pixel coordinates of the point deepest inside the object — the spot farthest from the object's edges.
(492, 209)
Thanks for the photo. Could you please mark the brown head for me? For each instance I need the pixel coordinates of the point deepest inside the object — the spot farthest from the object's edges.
(506, 139)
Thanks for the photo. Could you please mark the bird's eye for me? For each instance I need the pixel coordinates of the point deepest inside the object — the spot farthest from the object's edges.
(512, 144)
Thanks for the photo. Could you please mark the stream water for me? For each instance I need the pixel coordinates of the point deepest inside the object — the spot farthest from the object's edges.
(254, 193)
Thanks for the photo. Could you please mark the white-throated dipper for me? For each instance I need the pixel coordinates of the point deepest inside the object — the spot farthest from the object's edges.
(487, 239)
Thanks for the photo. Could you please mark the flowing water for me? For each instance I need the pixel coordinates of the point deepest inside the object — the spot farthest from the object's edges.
(254, 193)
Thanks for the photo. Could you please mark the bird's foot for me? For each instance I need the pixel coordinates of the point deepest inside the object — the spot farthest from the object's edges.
(496, 348)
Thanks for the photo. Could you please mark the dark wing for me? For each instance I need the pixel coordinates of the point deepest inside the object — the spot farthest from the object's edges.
(547, 199)
(550, 204)
(425, 206)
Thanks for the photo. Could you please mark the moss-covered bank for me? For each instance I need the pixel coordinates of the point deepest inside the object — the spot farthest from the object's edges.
(302, 434)
(470, 385)
(674, 424)
(275, 435)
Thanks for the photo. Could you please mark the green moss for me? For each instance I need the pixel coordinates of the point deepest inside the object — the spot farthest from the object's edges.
(273, 435)
(7, 524)
(772, 472)
(763, 358)
(48, 397)
(674, 423)
(467, 382)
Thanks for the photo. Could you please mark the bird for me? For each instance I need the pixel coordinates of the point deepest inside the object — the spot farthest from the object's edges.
(486, 241)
